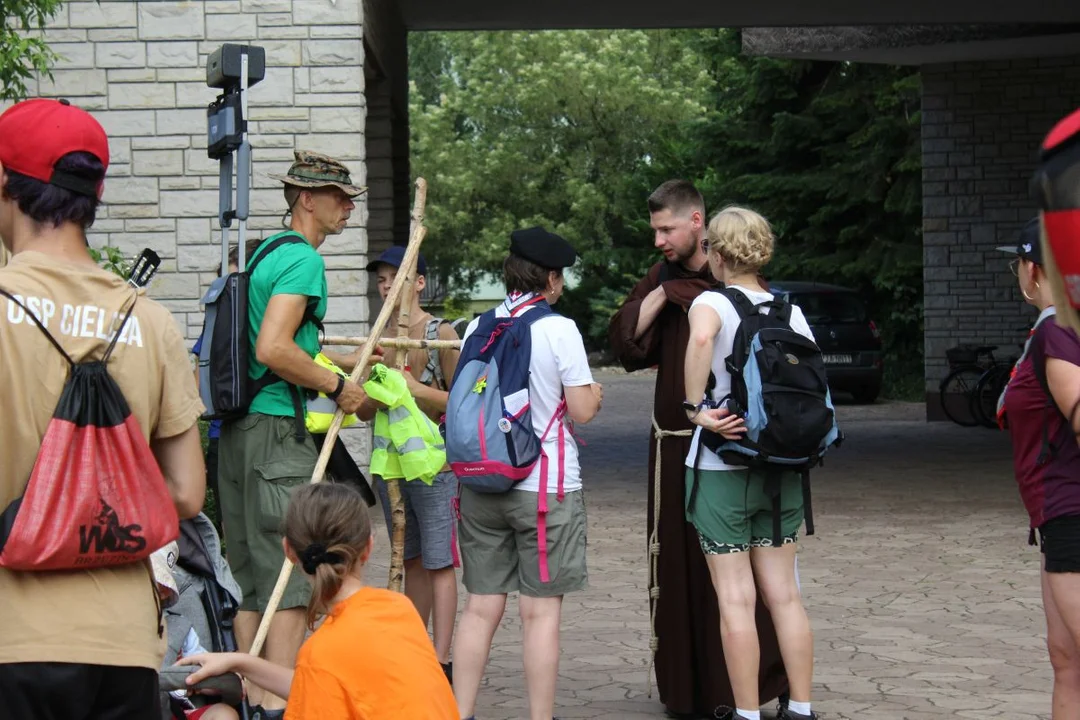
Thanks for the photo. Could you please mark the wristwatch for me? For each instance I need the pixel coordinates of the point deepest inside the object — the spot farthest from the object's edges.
(691, 407)
(338, 389)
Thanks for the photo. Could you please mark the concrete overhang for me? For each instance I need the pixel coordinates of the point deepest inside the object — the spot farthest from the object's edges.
(567, 14)
(914, 44)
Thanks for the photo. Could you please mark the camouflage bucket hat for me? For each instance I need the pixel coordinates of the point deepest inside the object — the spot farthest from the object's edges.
(315, 170)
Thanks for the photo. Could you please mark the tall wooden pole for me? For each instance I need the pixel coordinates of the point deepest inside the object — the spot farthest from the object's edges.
(401, 359)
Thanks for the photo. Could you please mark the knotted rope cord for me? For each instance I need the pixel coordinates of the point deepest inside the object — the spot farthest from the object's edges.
(653, 549)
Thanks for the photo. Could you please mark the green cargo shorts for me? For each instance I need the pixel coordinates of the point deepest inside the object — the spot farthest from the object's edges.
(733, 513)
(260, 462)
(499, 550)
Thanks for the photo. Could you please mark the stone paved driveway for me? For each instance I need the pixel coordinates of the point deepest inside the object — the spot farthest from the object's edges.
(921, 588)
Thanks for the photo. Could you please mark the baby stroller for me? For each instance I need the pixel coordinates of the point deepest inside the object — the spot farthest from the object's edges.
(208, 598)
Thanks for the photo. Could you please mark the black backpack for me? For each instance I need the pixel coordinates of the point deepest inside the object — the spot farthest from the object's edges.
(224, 385)
(778, 385)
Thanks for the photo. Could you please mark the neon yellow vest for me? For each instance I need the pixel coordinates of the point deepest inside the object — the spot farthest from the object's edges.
(407, 444)
(319, 412)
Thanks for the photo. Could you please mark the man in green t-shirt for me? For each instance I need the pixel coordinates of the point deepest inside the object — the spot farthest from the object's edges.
(268, 452)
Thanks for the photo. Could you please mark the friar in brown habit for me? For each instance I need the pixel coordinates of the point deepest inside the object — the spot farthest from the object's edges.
(652, 329)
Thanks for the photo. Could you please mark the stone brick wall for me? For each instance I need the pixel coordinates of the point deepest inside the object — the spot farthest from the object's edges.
(982, 124)
(140, 68)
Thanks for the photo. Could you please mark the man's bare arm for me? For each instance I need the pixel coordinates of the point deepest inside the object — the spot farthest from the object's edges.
(276, 349)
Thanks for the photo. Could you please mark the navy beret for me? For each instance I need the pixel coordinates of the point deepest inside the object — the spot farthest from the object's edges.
(544, 248)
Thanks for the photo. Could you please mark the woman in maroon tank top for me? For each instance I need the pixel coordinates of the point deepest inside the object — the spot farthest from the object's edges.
(1043, 389)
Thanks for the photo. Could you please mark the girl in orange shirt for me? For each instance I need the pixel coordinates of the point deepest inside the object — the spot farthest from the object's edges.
(371, 657)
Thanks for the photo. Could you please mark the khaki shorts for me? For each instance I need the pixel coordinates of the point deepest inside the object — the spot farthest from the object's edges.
(259, 464)
(499, 552)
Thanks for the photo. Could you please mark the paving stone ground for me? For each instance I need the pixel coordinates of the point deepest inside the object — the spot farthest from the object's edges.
(922, 590)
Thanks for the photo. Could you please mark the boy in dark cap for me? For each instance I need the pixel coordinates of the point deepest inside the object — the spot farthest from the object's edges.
(499, 532)
(79, 644)
(430, 580)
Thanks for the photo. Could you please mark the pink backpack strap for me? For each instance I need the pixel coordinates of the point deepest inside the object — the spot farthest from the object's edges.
(541, 501)
(455, 506)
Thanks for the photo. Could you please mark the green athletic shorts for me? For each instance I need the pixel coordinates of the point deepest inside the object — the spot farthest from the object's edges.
(499, 552)
(732, 512)
(259, 464)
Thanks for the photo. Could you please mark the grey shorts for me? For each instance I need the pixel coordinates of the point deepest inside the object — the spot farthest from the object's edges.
(429, 518)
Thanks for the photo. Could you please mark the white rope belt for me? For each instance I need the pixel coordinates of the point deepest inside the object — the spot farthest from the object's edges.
(653, 550)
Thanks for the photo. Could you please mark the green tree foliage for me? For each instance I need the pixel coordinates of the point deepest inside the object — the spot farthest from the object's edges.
(23, 52)
(830, 153)
(561, 129)
(574, 129)
(112, 259)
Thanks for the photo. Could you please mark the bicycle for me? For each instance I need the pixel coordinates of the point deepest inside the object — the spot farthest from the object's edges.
(968, 364)
(988, 389)
(985, 394)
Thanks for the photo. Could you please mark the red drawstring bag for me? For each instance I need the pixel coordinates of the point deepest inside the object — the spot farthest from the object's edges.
(96, 496)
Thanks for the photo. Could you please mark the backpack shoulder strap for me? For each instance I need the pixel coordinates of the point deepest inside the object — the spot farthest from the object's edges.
(270, 245)
(1038, 364)
(538, 311)
(290, 237)
(433, 369)
(1038, 359)
(744, 306)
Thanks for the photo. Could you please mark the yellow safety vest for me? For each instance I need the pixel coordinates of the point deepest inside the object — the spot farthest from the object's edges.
(319, 412)
(407, 444)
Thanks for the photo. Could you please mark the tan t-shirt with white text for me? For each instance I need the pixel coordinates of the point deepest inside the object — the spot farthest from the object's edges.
(107, 616)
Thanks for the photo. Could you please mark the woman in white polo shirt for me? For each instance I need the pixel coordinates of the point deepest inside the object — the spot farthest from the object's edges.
(498, 533)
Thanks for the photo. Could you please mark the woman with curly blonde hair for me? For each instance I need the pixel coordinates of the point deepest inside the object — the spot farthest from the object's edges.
(728, 504)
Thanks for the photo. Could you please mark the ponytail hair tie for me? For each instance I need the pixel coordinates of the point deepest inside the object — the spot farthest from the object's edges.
(315, 555)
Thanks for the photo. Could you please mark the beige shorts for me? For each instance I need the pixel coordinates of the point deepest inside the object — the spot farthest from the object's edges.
(499, 549)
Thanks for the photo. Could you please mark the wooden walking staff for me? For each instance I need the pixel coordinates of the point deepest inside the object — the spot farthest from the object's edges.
(401, 359)
(411, 252)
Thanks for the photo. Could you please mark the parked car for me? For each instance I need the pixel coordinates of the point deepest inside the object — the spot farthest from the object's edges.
(848, 338)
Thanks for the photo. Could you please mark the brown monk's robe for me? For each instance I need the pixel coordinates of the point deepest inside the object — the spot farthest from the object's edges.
(690, 671)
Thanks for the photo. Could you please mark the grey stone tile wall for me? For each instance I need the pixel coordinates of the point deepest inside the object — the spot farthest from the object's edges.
(982, 125)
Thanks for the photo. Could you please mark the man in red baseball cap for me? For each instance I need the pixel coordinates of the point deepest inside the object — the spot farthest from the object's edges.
(79, 643)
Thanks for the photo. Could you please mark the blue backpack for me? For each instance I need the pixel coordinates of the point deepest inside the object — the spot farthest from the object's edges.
(778, 385)
(490, 441)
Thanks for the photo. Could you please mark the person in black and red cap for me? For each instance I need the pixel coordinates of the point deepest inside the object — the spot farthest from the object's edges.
(508, 543)
(79, 643)
(1041, 400)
